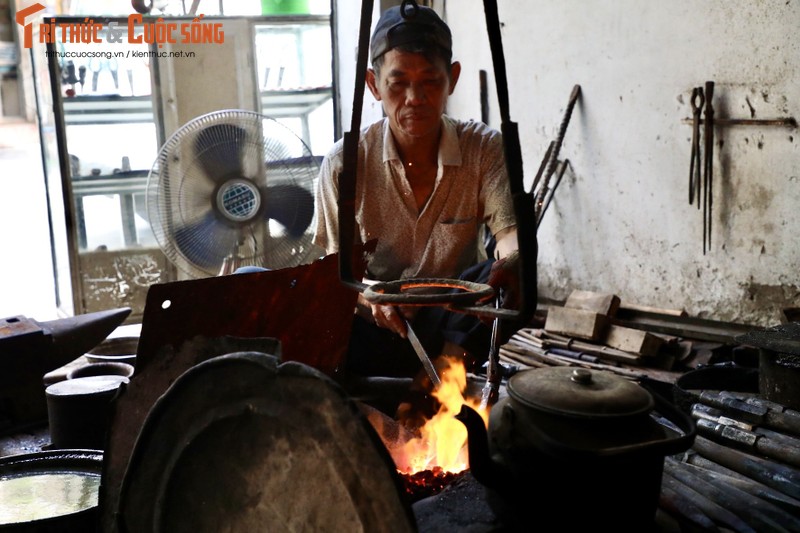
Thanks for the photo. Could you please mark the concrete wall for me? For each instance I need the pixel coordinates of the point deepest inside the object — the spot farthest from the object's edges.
(620, 220)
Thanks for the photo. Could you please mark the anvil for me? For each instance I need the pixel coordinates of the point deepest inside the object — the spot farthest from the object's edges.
(29, 349)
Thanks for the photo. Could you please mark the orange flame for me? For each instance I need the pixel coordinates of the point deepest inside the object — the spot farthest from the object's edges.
(442, 439)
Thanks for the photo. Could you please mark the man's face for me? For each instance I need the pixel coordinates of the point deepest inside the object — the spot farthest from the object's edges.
(414, 93)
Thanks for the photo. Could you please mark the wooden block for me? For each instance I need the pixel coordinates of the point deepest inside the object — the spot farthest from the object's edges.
(576, 323)
(633, 340)
(598, 302)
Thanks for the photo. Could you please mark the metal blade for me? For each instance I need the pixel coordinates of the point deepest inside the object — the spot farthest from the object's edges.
(427, 364)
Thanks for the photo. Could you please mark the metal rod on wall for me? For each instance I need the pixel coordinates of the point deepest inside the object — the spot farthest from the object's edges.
(789, 122)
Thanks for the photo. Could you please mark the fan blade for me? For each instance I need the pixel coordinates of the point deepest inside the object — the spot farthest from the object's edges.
(290, 205)
(202, 243)
(220, 149)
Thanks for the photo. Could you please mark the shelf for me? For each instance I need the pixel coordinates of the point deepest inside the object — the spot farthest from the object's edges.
(130, 182)
(293, 102)
(113, 109)
(107, 109)
(266, 22)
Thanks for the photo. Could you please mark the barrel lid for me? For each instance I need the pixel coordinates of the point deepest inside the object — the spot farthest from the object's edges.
(88, 385)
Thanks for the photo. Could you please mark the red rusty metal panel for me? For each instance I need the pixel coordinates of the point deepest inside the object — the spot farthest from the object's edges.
(306, 308)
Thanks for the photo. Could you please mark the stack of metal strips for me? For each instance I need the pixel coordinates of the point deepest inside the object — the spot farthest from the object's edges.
(743, 472)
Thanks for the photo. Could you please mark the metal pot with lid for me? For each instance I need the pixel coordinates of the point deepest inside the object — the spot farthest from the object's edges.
(565, 434)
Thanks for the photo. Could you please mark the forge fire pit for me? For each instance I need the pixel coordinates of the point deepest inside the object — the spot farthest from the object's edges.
(439, 442)
(428, 483)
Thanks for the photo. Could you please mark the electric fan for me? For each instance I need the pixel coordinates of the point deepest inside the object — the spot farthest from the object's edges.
(232, 188)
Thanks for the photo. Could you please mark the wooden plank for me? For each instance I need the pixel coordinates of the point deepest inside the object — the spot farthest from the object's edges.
(598, 302)
(578, 323)
(683, 326)
(647, 309)
(633, 340)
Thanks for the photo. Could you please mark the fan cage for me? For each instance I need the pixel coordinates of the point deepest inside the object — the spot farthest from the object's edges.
(233, 184)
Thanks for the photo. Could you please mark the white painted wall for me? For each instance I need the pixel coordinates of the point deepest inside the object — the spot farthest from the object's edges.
(620, 221)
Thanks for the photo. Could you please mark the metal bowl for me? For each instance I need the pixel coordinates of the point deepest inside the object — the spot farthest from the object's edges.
(117, 349)
(102, 368)
(35, 495)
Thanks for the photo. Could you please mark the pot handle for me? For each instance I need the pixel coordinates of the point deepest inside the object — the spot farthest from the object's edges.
(683, 421)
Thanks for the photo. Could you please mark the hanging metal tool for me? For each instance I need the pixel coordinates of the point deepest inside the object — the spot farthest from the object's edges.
(695, 169)
(709, 165)
(549, 196)
(552, 157)
(484, 95)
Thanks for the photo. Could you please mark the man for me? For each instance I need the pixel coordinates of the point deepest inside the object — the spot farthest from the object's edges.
(427, 185)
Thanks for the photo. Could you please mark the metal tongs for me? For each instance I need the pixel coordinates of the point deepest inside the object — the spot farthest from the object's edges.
(491, 390)
(427, 364)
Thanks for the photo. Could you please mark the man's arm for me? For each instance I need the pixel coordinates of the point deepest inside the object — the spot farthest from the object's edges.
(505, 242)
(326, 205)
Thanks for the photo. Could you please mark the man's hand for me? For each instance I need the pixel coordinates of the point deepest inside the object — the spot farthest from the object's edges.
(386, 316)
(504, 275)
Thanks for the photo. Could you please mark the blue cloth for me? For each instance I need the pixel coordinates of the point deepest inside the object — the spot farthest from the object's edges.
(249, 269)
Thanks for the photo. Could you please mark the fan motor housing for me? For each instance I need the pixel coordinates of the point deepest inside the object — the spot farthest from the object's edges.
(238, 200)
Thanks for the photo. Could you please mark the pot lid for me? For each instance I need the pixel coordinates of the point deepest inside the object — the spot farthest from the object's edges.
(579, 392)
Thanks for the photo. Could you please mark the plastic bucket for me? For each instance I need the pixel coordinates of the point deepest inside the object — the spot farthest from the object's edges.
(284, 7)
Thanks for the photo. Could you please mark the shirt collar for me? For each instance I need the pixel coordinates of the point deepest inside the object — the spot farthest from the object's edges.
(449, 151)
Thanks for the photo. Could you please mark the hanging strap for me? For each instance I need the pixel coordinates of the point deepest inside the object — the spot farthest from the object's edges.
(523, 202)
(347, 179)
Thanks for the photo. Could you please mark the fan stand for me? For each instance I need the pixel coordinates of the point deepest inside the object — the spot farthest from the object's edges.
(239, 202)
(232, 261)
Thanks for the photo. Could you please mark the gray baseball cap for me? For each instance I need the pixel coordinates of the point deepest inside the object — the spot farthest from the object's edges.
(409, 24)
